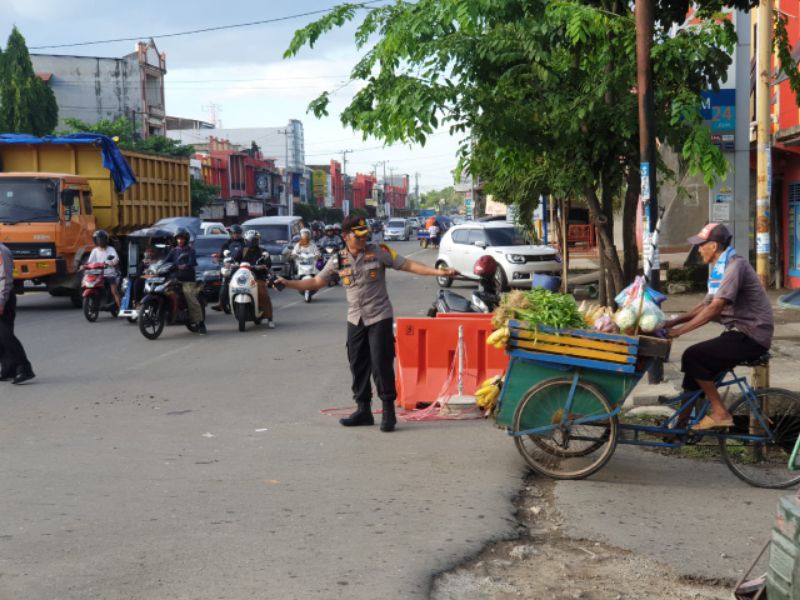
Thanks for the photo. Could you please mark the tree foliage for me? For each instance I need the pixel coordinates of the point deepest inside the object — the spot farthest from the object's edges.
(543, 91)
(123, 130)
(27, 104)
(202, 194)
(452, 199)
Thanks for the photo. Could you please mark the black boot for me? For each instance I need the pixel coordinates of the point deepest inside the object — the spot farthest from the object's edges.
(389, 419)
(362, 416)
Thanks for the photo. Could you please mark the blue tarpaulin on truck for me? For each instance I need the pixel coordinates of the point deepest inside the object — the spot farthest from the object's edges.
(121, 172)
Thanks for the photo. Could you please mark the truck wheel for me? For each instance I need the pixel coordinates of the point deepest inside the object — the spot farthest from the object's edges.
(91, 308)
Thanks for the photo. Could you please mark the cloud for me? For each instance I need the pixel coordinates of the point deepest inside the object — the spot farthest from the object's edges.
(39, 10)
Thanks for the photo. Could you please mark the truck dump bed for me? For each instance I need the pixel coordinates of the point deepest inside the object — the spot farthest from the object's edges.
(162, 188)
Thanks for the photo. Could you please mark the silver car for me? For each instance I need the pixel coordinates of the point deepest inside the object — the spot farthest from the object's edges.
(397, 229)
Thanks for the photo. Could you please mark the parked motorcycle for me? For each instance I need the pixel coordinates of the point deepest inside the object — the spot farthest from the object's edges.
(164, 302)
(307, 269)
(243, 290)
(484, 300)
(96, 292)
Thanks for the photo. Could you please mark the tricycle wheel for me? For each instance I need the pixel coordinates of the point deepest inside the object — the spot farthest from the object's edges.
(562, 448)
(764, 463)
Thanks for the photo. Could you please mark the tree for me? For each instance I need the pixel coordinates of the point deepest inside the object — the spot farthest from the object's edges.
(543, 88)
(452, 199)
(27, 104)
(202, 195)
(122, 129)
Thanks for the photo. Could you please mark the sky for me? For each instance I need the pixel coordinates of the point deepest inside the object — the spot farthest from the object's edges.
(240, 71)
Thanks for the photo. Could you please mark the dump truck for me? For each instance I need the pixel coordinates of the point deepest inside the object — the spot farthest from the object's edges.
(56, 191)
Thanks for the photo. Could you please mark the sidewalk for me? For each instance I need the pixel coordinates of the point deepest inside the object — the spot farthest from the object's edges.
(785, 349)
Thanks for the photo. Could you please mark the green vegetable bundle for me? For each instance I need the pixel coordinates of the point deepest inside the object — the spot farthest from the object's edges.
(539, 307)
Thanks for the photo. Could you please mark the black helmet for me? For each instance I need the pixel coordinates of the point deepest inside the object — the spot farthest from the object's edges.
(100, 237)
(252, 237)
(182, 232)
(236, 228)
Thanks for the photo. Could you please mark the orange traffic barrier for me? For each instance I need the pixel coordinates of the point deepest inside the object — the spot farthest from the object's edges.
(427, 352)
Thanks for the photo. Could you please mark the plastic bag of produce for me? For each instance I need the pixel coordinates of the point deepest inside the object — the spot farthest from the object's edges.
(638, 310)
(635, 288)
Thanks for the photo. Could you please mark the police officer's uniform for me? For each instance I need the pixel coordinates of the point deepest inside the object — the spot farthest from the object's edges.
(370, 339)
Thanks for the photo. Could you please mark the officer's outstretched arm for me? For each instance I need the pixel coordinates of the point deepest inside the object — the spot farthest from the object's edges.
(312, 285)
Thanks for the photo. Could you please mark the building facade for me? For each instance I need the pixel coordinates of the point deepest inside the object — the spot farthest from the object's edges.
(93, 88)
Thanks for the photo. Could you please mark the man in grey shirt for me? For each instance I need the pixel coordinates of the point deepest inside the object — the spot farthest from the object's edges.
(361, 268)
(14, 364)
(737, 300)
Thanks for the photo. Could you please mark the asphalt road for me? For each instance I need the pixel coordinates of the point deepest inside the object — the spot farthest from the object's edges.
(201, 467)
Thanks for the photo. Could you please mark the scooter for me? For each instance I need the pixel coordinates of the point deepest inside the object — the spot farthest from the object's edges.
(307, 269)
(164, 302)
(484, 300)
(243, 292)
(96, 292)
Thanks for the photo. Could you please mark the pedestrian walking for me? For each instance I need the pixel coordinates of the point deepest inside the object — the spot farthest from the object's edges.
(361, 268)
(14, 364)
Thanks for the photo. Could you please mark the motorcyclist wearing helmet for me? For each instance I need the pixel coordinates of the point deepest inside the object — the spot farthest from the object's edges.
(233, 245)
(337, 233)
(305, 245)
(329, 239)
(185, 260)
(104, 253)
(260, 262)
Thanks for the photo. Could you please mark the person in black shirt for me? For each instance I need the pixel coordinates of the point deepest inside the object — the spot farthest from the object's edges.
(185, 259)
(234, 245)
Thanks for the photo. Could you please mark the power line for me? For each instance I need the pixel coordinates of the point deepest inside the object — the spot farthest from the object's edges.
(196, 31)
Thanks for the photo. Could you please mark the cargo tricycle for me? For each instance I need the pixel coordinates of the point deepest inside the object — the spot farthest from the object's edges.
(563, 392)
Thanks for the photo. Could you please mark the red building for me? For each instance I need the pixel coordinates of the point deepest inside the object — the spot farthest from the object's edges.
(362, 187)
(249, 183)
(337, 184)
(785, 199)
(396, 191)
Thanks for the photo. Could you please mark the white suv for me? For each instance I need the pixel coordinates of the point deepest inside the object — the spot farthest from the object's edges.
(517, 259)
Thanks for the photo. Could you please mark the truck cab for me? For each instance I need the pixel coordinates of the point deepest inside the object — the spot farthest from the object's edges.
(46, 221)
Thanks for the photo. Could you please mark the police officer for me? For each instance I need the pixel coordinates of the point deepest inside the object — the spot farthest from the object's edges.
(14, 364)
(234, 245)
(361, 267)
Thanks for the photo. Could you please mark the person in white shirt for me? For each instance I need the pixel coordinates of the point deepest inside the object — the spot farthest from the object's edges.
(106, 254)
(305, 245)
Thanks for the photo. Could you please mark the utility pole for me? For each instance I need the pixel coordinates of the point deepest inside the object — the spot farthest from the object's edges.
(289, 199)
(416, 190)
(391, 180)
(645, 18)
(344, 178)
(763, 139)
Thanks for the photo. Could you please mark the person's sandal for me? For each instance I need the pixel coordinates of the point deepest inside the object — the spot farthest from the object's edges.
(707, 423)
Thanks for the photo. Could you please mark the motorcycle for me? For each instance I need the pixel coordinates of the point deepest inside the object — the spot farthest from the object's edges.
(226, 272)
(328, 253)
(96, 292)
(307, 269)
(243, 292)
(484, 300)
(164, 302)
